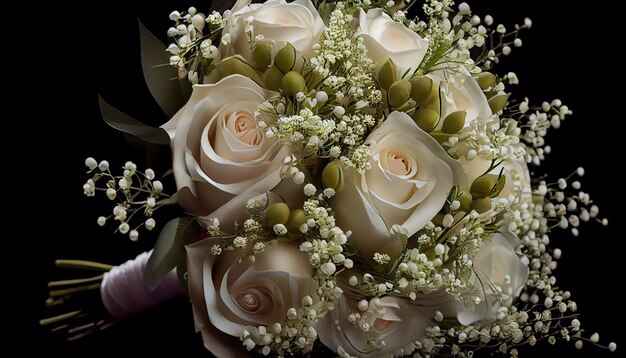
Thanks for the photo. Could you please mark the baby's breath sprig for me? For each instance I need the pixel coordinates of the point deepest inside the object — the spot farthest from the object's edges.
(127, 190)
(193, 51)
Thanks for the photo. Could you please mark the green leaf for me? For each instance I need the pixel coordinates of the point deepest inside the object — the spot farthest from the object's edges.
(127, 124)
(161, 78)
(169, 250)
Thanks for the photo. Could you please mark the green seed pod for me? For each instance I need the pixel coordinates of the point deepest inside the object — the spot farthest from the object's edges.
(237, 65)
(296, 219)
(465, 199)
(277, 213)
(433, 102)
(273, 78)
(426, 119)
(497, 102)
(286, 58)
(486, 80)
(262, 55)
(454, 122)
(387, 75)
(421, 88)
(292, 83)
(332, 177)
(481, 205)
(484, 185)
(399, 93)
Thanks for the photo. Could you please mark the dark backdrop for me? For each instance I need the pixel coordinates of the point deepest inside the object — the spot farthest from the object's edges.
(57, 58)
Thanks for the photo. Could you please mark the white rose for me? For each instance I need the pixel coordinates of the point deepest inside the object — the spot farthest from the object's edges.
(276, 21)
(228, 295)
(517, 183)
(219, 151)
(390, 330)
(408, 183)
(385, 38)
(461, 92)
(499, 264)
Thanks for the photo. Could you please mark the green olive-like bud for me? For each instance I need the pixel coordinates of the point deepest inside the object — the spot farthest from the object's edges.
(296, 219)
(481, 205)
(277, 213)
(286, 58)
(465, 199)
(497, 102)
(421, 88)
(387, 75)
(237, 65)
(454, 122)
(433, 102)
(426, 119)
(399, 93)
(273, 78)
(293, 83)
(332, 177)
(262, 55)
(486, 80)
(484, 185)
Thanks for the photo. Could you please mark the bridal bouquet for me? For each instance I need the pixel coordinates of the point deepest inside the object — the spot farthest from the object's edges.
(350, 174)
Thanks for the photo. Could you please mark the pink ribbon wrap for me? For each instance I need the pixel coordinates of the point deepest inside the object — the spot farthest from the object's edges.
(125, 292)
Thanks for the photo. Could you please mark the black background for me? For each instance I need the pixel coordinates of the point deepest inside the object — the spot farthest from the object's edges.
(58, 58)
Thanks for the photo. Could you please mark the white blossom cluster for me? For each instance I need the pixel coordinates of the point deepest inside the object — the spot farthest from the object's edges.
(133, 192)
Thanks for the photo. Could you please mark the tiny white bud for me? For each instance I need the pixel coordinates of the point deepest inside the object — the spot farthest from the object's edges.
(488, 20)
(321, 96)
(578, 344)
(438, 316)
(151, 202)
(612, 346)
(348, 263)
(595, 337)
(280, 229)
(471, 154)
(528, 22)
(123, 183)
(353, 281)
(448, 220)
(339, 111)
(501, 29)
(464, 8)
(298, 178)
(102, 221)
(111, 193)
(103, 166)
(506, 50)
(149, 174)
(439, 249)
(124, 228)
(517, 42)
(362, 305)
(174, 15)
(150, 223)
(576, 185)
(91, 163)
(556, 253)
(328, 268)
(157, 186)
(133, 235)
(575, 323)
(310, 189)
(329, 192)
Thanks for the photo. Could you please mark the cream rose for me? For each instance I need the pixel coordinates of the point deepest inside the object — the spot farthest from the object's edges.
(390, 330)
(228, 295)
(219, 151)
(497, 263)
(385, 38)
(277, 22)
(408, 183)
(461, 92)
